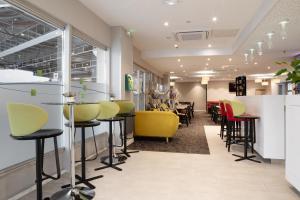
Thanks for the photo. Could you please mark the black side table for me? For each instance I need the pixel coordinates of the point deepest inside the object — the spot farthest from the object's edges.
(248, 120)
(124, 150)
(83, 179)
(111, 162)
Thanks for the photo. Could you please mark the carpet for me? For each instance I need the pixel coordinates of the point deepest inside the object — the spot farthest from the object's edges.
(191, 139)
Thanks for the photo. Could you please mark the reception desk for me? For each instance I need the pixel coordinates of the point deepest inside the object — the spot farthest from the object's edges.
(270, 128)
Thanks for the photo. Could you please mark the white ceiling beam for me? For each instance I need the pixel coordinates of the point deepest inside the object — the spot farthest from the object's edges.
(264, 9)
(185, 52)
(31, 43)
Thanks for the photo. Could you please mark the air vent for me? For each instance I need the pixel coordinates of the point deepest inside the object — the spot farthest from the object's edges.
(191, 35)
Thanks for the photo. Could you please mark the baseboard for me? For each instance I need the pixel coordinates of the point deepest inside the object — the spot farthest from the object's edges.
(19, 180)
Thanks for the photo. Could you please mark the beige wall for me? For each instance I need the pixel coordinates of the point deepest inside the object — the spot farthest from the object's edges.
(138, 60)
(192, 92)
(74, 13)
(217, 90)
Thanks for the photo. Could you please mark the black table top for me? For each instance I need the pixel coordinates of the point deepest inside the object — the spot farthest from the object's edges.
(247, 116)
(114, 119)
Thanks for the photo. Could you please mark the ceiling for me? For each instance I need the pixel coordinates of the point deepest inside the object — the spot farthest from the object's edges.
(249, 19)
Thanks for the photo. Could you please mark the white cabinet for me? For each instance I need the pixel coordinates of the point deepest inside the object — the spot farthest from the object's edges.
(292, 168)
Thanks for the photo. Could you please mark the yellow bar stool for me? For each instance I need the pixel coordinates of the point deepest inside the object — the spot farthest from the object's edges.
(84, 117)
(126, 111)
(26, 122)
(109, 110)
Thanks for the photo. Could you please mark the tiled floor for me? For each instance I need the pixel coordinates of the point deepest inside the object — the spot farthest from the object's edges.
(176, 176)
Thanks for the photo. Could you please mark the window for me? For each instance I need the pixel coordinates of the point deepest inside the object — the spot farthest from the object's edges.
(30, 49)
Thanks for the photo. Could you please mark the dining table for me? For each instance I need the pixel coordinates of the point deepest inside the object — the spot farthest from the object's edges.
(73, 192)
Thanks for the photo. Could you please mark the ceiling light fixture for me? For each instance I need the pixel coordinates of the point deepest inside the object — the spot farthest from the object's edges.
(259, 48)
(208, 59)
(178, 60)
(270, 42)
(176, 46)
(255, 63)
(209, 45)
(171, 2)
(214, 19)
(269, 67)
(229, 59)
(174, 77)
(235, 70)
(166, 23)
(181, 66)
(246, 58)
(283, 32)
(206, 64)
(265, 83)
(258, 80)
(172, 72)
(183, 71)
(251, 54)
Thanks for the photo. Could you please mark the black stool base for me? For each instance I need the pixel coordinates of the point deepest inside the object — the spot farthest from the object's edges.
(115, 162)
(84, 181)
(246, 158)
(83, 193)
(127, 153)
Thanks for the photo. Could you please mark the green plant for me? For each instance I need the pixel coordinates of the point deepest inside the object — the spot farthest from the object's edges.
(293, 74)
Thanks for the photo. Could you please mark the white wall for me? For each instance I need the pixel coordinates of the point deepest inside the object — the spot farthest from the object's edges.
(217, 90)
(192, 92)
(74, 13)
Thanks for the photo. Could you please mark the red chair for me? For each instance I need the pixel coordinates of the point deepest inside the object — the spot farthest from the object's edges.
(223, 119)
(231, 126)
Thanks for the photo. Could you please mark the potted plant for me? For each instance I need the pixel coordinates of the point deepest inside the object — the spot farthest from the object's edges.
(293, 72)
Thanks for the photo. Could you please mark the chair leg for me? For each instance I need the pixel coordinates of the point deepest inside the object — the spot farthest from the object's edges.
(96, 147)
(39, 187)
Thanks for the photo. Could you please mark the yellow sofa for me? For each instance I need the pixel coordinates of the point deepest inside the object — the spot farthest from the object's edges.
(156, 124)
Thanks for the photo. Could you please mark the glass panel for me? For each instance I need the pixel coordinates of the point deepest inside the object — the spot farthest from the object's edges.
(30, 50)
(84, 61)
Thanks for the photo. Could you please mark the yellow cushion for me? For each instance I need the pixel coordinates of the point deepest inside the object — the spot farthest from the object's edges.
(125, 106)
(156, 124)
(108, 110)
(238, 107)
(84, 112)
(25, 119)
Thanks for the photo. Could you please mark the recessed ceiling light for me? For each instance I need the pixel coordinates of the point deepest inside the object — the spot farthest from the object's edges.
(235, 70)
(209, 45)
(183, 71)
(22, 34)
(166, 23)
(176, 46)
(255, 63)
(171, 2)
(284, 22)
(181, 66)
(208, 59)
(178, 60)
(206, 64)
(214, 19)
(269, 67)
(229, 59)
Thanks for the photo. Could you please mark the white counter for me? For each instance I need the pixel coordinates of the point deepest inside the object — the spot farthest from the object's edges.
(270, 133)
(292, 168)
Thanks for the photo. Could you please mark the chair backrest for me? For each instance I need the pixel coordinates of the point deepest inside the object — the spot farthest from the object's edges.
(125, 106)
(25, 119)
(84, 112)
(222, 108)
(108, 110)
(238, 107)
(229, 112)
